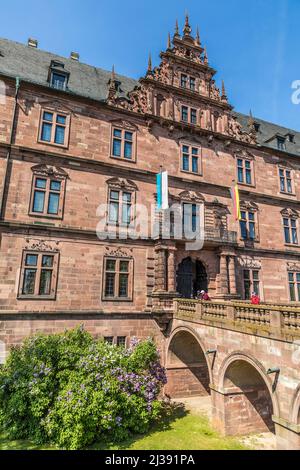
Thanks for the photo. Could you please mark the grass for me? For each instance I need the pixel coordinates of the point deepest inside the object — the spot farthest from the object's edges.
(179, 430)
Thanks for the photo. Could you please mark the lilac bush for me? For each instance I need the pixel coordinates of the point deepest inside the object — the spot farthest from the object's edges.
(73, 390)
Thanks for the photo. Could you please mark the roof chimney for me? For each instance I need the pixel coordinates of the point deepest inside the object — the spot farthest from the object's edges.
(33, 43)
(74, 56)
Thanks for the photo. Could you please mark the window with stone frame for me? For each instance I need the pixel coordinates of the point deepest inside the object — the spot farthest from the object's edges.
(244, 171)
(47, 192)
(191, 158)
(189, 115)
(39, 271)
(117, 278)
(290, 226)
(294, 286)
(286, 181)
(121, 341)
(54, 128)
(187, 82)
(123, 141)
(251, 283)
(121, 202)
(249, 221)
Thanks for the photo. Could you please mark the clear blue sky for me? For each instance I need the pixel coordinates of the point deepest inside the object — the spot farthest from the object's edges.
(254, 45)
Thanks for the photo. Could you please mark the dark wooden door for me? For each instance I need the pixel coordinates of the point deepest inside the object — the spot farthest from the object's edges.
(185, 278)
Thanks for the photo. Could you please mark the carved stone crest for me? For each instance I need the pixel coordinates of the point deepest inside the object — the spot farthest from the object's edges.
(41, 245)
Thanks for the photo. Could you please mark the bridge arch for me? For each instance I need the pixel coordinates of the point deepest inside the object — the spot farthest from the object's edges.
(188, 370)
(249, 401)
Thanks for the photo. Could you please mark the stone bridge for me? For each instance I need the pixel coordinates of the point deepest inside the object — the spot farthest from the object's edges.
(246, 357)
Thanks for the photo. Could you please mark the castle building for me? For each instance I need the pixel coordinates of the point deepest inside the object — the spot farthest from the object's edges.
(75, 139)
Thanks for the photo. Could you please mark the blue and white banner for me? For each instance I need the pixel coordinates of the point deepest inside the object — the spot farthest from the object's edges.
(162, 189)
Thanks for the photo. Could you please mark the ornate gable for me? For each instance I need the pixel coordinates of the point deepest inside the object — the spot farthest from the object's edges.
(160, 92)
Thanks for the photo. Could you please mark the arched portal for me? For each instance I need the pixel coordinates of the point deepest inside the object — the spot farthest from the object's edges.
(191, 278)
(248, 405)
(187, 369)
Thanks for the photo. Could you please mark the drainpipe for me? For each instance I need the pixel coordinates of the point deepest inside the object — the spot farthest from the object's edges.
(11, 138)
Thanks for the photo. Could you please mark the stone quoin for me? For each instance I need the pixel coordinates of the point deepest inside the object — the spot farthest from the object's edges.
(74, 137)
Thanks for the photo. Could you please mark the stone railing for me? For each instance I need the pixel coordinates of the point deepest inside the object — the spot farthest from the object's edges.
(279, 318)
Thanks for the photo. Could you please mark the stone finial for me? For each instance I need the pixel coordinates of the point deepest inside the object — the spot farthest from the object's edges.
(197, 39)
(169, 41)
(149, 70)
(112, 89)
(113, 77)
(251, 122)
(187, 29)
(75, 56)
(176, 29)
(32, 43)
(205, 57)
(224, 95)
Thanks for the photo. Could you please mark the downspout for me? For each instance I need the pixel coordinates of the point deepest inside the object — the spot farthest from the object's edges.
(11, 138)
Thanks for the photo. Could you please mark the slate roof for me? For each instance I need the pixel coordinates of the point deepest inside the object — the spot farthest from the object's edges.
(32, 65)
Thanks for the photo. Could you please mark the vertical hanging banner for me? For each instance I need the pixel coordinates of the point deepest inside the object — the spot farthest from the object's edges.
(236, 202)
(162, 190)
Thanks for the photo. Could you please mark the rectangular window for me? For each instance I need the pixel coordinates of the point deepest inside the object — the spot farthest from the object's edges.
(192, 84)
(281, 143)
(190, 218)
(58, 81)
(120, 207)
(290, 231)
(122, 144)
(54, 128)
(251, 283)
(244, 171)
(109, 339)
(294, 286)
(193, 116)
(190, 157)
(117, 279)
(183, 82)
(121, 341)
(247, 225)
(38, 275)
(47, 197)
(184, 113)
(285, 177)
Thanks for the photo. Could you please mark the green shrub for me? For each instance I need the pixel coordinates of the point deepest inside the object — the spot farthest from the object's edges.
(71, 390)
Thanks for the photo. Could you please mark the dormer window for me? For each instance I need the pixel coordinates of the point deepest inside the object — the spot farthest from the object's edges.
(291, 138)
(187, 82)
(58, 81)
(281, 143)
(256, 127)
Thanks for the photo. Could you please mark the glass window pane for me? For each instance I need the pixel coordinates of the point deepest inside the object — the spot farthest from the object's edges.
(48, 116)
(60, 135)
(246, 274)
(255, 275)
(55, 185)
(121, 341)
(251, 231)
(293, 223)
(114, 211)
(126, 197)
(116, 148)
(240, 163)
(248, 177)
(124, 265)
(61, 119)
(185, 163)
(194, 151)
(117, 133)
(110, 285)
(40, 183)
(53, 203)
(114, 195)
(282, 184)
(287, 235)
(31, 260)
(126, 213)
(195, 164)
(58, 81)
(291, 277)
(298, 292)
(243, 229)
(240, 175)
(193, 116)
(294, 236)
(292, 292)
(110, 265)
(46, 132)
(298, 277)
(29, 281)
(247, 290)
(289, 186)
(38, 201)
(127, 149)
(256, 287)
(128, 136)
(251, 215)
(192, 83)
(184, 113)
(185, 149)
(109, 339)
(47, 261)
(45, 282)
(248, 165)
(123, 285)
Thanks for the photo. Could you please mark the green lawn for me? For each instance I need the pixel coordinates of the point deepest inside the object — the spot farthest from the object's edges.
(178, 431)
